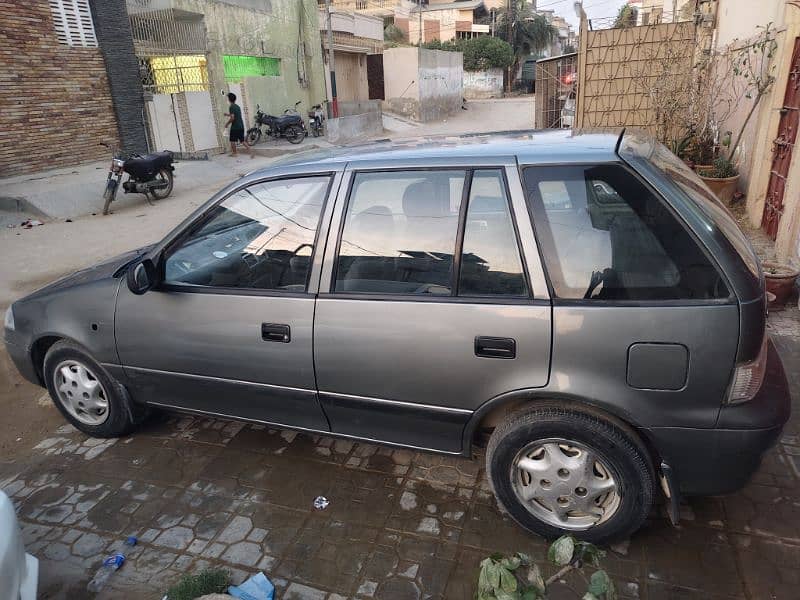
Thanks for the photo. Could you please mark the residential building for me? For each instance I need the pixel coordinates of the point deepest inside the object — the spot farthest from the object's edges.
(356, 37)
(192, 52)
(444, 20)
(59, 100)
(565, 34)
(651, 12)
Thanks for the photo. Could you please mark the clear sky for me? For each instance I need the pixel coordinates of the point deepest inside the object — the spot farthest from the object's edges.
(595, 9)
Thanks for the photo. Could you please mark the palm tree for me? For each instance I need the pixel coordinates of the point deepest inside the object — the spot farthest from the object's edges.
(530, 33)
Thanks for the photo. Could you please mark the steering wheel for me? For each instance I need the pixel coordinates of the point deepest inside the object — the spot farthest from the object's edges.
(291, 256)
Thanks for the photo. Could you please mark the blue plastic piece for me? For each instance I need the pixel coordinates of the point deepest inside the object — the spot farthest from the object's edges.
(258, 587)
(131, 541)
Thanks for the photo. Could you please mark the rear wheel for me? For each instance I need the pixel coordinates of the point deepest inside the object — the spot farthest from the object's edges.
(86, 394)
(294, 134)
(253, 135)
(559, 470)
(164, 175)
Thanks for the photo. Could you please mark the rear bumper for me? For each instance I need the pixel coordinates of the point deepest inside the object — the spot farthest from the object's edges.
(722, 460)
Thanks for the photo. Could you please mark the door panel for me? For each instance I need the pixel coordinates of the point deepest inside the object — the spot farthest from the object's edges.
(229, 329)
(206, 352)
(396, 346)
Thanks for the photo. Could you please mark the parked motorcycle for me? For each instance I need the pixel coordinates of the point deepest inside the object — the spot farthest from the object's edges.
(316, 117)
(289, 125)
(150, 175)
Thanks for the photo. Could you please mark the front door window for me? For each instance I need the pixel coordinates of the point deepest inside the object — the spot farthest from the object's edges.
(261, 237)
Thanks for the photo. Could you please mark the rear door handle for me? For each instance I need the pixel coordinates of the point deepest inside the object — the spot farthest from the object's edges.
(275, 332)
(495, 347)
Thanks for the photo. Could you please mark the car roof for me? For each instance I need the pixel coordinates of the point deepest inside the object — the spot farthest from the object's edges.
(529, 147)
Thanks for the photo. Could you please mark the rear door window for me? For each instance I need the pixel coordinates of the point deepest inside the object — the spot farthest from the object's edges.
(400, 232)
(605, 236)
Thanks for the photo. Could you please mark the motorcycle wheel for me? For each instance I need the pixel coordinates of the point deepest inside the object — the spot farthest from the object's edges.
(253, 135)
(161, 193)
(294, 134)
(109, 194)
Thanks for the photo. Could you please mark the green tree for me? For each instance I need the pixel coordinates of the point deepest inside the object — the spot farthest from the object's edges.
(530, 33)
(626, 17)
(392, 33)
(487, 52)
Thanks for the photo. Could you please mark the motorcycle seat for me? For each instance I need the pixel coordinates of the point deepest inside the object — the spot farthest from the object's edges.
(145, 167)
(285, 120)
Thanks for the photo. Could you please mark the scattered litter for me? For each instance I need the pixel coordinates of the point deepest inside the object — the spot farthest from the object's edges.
(68, 221)
(321, 502)
(31, 223)
(10, 226)
(258, 587)
(131, 541)
(109, 566)
(19, 439)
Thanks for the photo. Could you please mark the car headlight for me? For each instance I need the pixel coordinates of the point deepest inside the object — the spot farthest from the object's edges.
(8, 322)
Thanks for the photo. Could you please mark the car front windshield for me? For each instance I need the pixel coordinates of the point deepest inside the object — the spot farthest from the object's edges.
(713, 212)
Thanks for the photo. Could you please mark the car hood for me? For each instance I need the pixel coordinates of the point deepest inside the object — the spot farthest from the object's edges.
(103, 270)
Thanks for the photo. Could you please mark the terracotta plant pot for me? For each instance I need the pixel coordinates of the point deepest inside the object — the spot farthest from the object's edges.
(780, 280)
(724, 188)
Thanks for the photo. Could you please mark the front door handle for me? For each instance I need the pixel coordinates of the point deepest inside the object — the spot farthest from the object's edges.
(275, 332)
(495, 347)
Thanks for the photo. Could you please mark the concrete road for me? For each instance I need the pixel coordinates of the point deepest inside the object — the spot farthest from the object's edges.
(505, 114)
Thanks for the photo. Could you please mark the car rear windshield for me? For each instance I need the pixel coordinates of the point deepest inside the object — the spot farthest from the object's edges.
(712, 211)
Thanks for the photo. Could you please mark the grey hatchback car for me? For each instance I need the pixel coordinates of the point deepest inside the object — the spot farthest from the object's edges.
(579, 301)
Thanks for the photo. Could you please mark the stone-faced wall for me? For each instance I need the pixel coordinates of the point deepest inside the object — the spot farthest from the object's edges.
(55, 99)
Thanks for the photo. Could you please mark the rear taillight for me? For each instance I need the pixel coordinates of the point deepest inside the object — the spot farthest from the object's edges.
(748, 377)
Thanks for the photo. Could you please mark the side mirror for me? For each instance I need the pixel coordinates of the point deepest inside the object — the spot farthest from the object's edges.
(141, 276)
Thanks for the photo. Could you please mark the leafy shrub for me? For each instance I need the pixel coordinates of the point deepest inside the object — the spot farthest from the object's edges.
(480, 53)
(207, 581)
(518, 578)
(721, 169)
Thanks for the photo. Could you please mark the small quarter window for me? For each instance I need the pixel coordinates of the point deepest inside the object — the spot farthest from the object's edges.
(490, 261)
(261, 237)
(605, 236)
(399, 233)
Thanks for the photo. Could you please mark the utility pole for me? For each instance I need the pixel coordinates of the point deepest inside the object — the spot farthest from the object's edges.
(334, 101)
(510, 32)
(419, 7)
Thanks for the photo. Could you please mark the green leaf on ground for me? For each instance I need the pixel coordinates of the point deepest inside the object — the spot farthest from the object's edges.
(562, 550)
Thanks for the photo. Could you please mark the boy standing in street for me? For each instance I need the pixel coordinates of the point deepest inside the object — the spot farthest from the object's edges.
(236, 123)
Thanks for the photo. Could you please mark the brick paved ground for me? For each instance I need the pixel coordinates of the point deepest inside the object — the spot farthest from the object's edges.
(400, 524)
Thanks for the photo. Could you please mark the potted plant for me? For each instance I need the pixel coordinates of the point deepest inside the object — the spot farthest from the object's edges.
(752, 68)
(721, 177)
(780, 280)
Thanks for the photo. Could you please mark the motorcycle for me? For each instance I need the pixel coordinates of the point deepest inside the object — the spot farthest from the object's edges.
(150, 175)
(289, 125)
(316, 117)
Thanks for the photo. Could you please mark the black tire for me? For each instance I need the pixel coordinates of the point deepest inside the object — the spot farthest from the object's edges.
(253, 135)
(294, 134)
(161, 193)
(615, 444)
(122, 414)
(109, 194)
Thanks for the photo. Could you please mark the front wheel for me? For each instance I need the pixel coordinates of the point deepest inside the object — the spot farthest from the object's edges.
(164, 175)
(109, 193)
(558, 470)
(253, 136)
(294, 134)
(86, 394)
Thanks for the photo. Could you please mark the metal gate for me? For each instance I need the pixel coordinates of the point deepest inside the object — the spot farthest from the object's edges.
(555, 82)
(782, 148)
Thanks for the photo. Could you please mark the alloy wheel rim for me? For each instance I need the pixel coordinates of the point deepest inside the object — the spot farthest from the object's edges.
(565, 483)
(81, 393)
